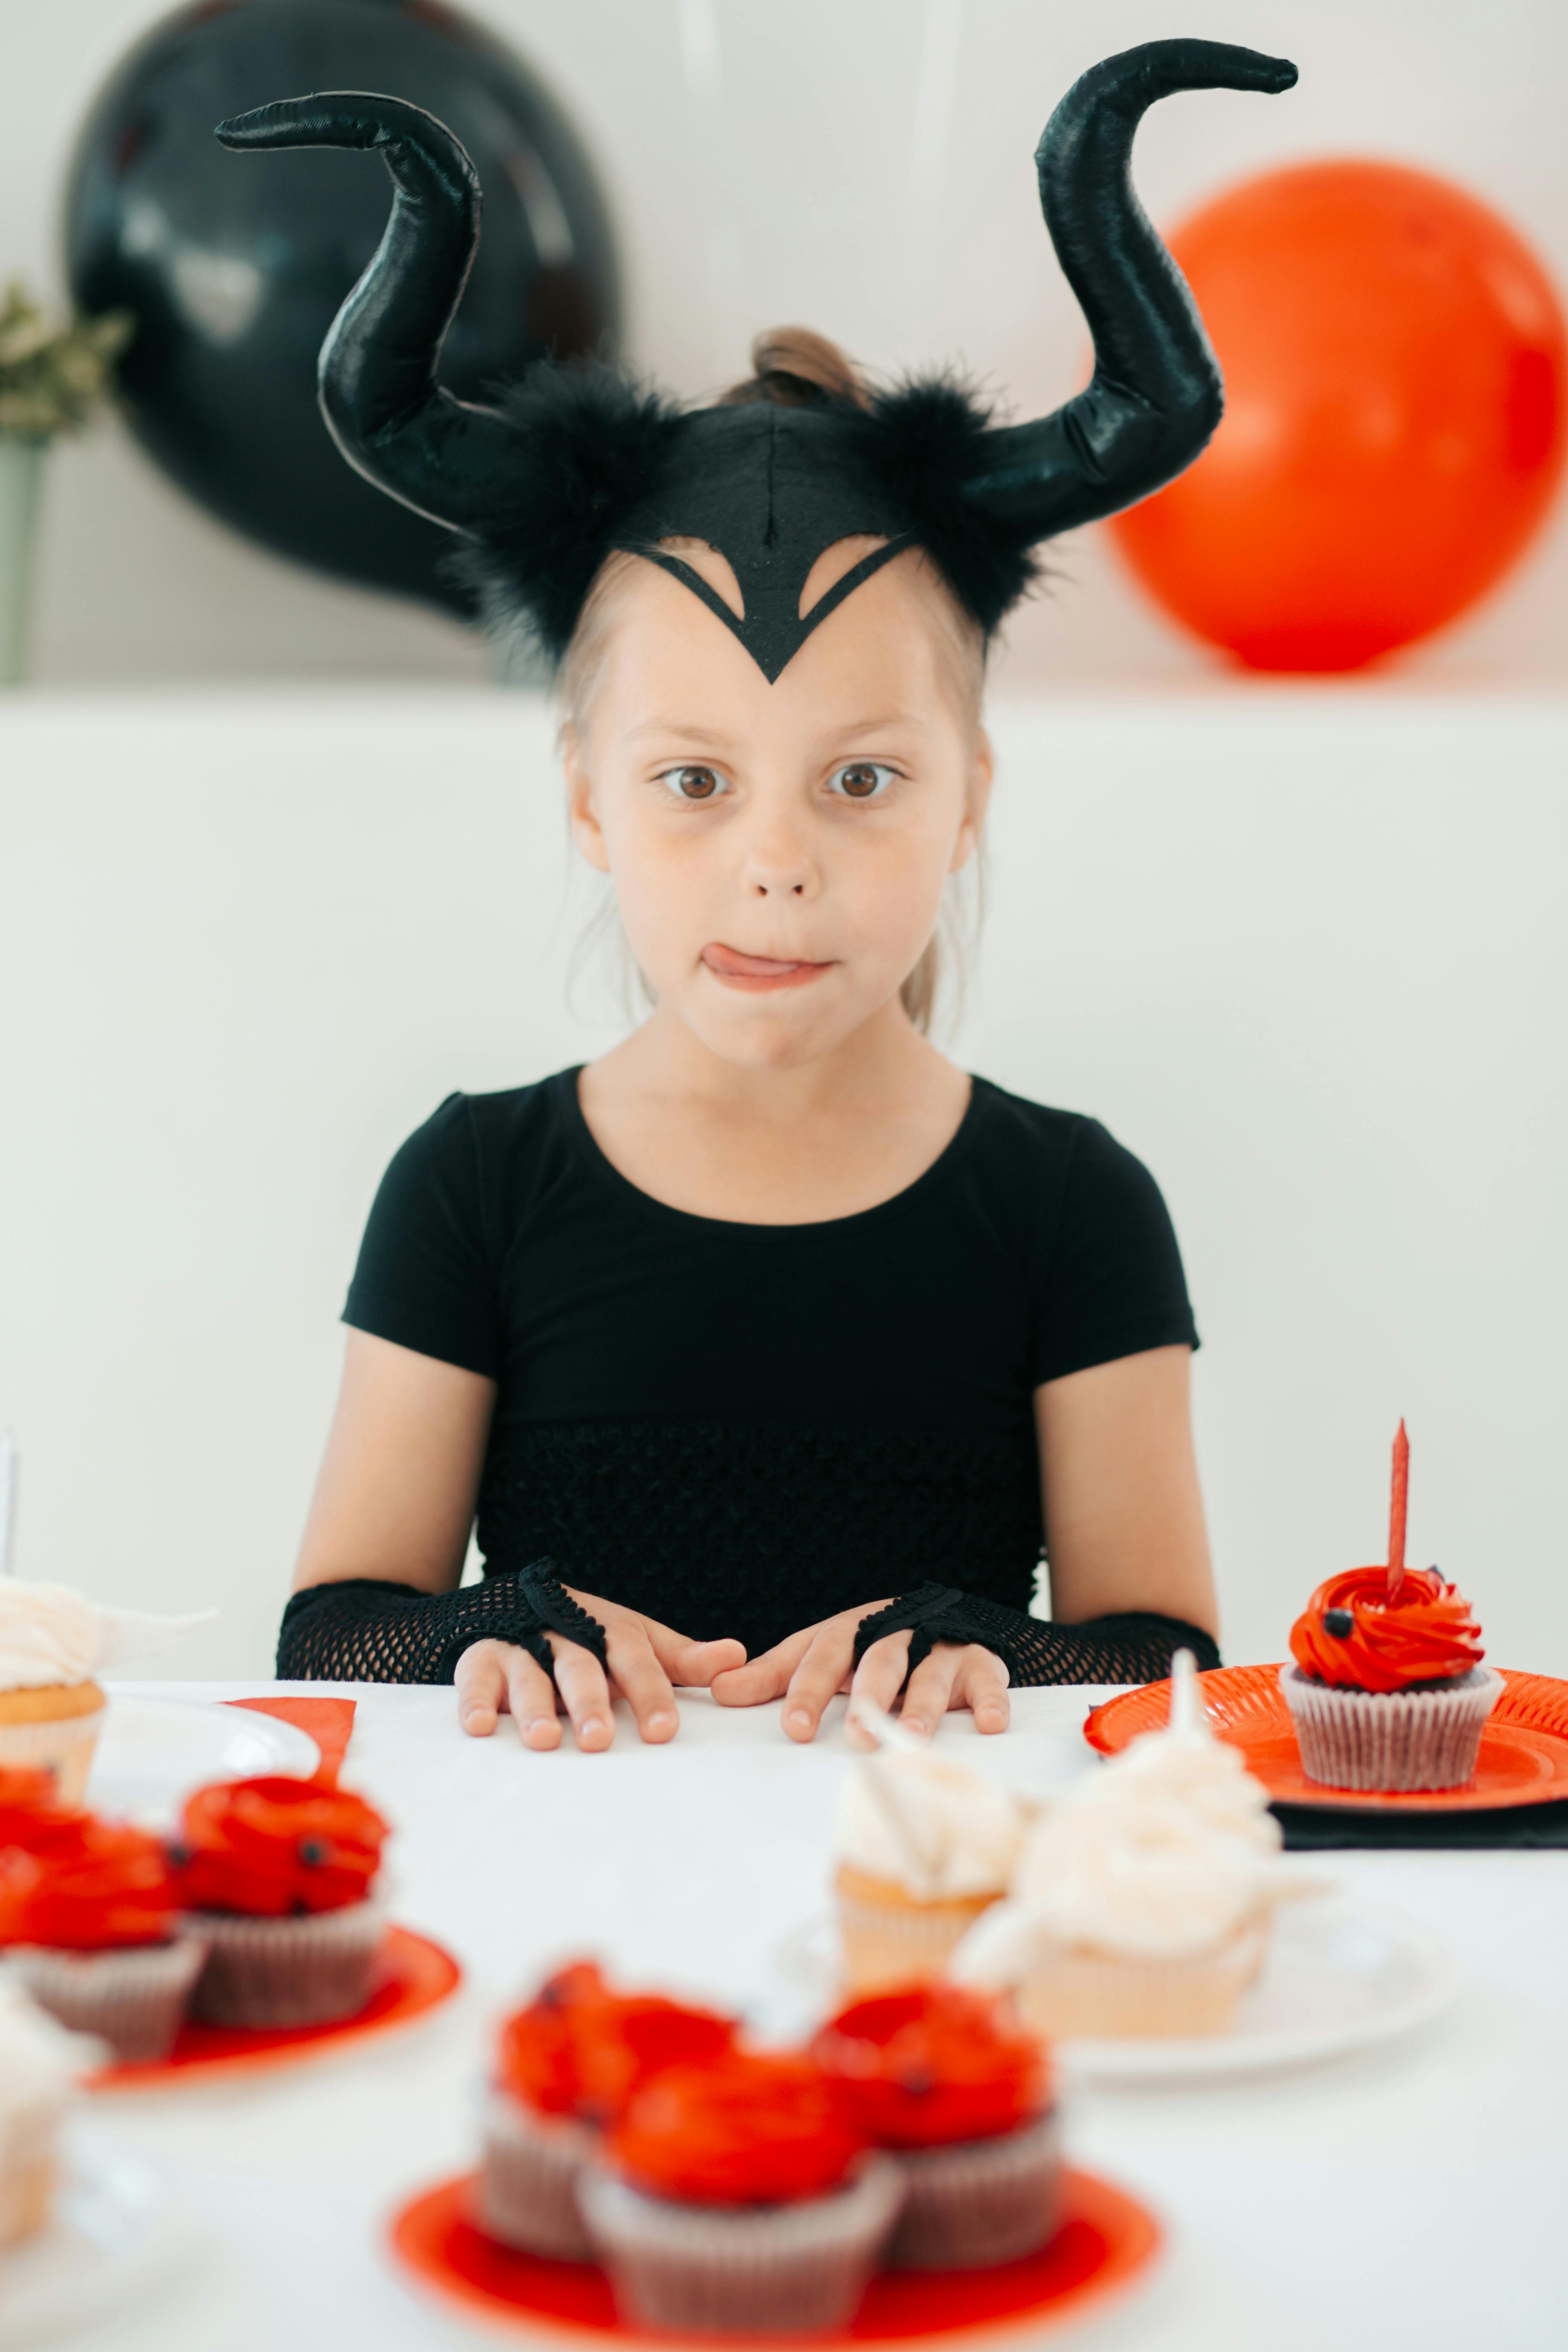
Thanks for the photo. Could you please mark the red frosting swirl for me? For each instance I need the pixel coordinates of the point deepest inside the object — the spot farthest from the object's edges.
(1425, 1634)
(933, 2065)
(579, 2049)
(82, 1884)
(748, 2130)
(273, 1846)
(26, 1800)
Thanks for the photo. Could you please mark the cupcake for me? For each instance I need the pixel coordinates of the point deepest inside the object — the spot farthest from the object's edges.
(1143, 1899)
(923, 1845)
(735, 2199)
(278, 1877)
(1388, 1691)
(566, 2066)
(942, 2079)
(53, 1643)
(51, 1709)
(39, 2066)
(91, 1924)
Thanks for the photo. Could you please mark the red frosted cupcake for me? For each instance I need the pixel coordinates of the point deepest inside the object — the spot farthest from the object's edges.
(90, 1922)
(566, 2066)
(279, 1876)
(1388, 1691)
(738, 2199)
(946, 2082)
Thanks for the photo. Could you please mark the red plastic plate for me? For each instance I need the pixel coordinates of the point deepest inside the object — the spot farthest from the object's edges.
(1523, 1758)
(416, 1975)
(1105, 2240)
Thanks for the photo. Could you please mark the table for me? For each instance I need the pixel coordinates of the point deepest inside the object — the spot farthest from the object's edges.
(1410, 2195)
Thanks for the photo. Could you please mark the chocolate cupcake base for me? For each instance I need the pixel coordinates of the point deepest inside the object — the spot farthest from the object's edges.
(527, 2184)
(978, 2202)
(753, 2270)
(134, 1997)
(309, 1969)
(1391, 1742)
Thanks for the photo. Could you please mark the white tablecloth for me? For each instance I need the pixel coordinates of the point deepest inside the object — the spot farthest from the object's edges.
(1412, 2197)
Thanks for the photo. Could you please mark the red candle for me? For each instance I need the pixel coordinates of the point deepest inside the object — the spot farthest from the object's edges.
(1397, 1513)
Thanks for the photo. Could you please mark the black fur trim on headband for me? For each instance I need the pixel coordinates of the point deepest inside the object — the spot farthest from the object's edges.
(594, 440)
(922, 440)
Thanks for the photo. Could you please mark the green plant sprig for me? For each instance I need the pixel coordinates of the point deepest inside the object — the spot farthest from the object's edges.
(53, 375)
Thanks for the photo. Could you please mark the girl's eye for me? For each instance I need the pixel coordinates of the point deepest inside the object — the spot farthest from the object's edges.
(694, 784)
(862, 780)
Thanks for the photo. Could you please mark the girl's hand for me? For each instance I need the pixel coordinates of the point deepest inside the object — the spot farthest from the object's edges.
(811, 1665)
(645, 1660)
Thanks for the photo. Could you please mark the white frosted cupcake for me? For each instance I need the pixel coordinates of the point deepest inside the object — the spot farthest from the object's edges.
(1143, 1900)
(53, 1645)
(923, 1845)
(39, 2066)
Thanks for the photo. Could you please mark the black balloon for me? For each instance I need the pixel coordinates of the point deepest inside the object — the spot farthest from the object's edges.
(234, 266)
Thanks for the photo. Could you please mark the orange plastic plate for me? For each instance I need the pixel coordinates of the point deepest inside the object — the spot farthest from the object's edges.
(1105, 2240)
(416, 1975)
(1523, 1758)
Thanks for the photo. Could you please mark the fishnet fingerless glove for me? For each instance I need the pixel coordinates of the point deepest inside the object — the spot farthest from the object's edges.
(1135, 1648)
(366, 1631)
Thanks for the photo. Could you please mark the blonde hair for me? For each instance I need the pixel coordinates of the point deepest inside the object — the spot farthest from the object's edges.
(795, 368)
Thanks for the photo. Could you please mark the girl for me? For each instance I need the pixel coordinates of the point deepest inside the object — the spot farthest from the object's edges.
(771, 1350)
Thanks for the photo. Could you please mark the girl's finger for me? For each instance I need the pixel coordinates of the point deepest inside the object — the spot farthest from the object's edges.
(982, 1687)
(644, 1685)
(584, 1693)
(879, 1677)
(819, 1676)
(530, 1694)
(481, 1688)
(930, 1692)
(765, 1677)
(691, 1664)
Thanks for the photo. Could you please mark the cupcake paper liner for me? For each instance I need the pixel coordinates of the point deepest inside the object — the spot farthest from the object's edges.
(1390, 1741)
(309, 1969)
(757, 2269)
(134, 1997)
(895, 1939)
(62, 1744)
(527, 2186)
(977, 2203)
(1108, 1997)
(27, 2185)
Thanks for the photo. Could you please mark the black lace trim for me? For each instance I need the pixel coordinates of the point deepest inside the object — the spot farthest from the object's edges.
(367, 1631)
(1134, 1648)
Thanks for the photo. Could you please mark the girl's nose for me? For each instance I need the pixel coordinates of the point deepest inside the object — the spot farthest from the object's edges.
(780, 869)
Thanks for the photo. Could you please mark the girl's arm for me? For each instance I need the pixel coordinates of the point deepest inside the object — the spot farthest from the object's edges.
(1124, 1518)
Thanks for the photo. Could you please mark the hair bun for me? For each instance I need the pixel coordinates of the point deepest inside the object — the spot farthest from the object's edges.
(796, 367)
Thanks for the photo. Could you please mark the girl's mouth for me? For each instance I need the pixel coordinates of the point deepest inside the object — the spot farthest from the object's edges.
(756, 975)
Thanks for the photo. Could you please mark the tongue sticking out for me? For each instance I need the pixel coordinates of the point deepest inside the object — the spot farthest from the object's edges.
(730, 961)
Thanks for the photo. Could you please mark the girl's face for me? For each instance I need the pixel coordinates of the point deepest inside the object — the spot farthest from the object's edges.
(779, 851)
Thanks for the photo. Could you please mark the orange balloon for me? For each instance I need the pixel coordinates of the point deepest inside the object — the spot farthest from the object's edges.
(1396, 410)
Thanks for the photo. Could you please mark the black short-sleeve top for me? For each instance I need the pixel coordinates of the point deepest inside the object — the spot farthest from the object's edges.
(740, 1428)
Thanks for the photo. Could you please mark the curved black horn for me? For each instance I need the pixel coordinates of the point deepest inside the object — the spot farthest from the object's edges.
(1156, 394)
(383, 407)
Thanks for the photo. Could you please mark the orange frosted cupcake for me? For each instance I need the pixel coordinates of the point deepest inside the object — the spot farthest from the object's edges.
(945, 2082)
(566, 2066)
(90, 1922)
(1388, 1691)
(278, 1877)
(736, 2199)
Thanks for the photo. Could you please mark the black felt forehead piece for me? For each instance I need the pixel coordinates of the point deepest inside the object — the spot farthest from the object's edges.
(771, 489)
(540, 485)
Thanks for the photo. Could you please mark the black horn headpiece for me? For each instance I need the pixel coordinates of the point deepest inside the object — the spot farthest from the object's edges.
(573, 462)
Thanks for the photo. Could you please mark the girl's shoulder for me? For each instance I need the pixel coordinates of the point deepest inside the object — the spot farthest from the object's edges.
(1050, 1151)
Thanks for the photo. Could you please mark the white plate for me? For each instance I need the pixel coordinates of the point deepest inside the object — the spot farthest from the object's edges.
(115, 2236)
(1339, 1977)
(153, 1752)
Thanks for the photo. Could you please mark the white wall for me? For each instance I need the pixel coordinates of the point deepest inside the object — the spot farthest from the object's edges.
(1304, 952)
(866, 167)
